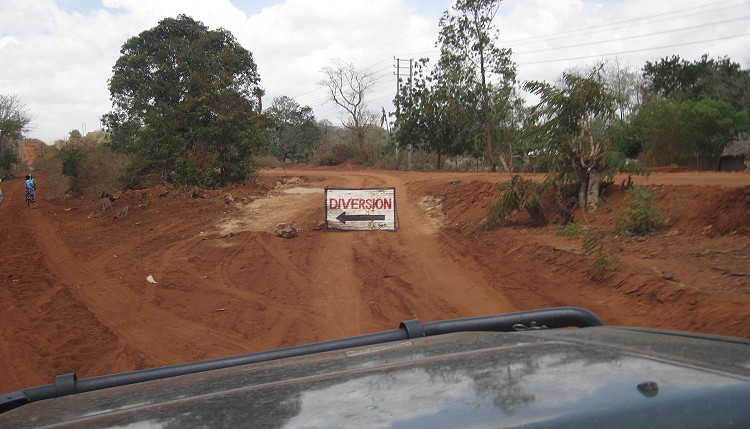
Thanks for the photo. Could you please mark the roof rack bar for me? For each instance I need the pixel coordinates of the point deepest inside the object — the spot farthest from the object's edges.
(68, 384)
(561, 317)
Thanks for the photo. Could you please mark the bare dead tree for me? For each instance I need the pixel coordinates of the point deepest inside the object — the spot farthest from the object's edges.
(347, 88)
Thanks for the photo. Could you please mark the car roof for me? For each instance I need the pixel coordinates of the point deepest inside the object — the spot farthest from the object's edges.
(536, 378)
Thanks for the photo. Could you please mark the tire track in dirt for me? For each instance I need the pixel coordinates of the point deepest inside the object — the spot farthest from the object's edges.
(367, 294)
(127, 314)
(87, 307)
(53, 318)
(438, 267)
(265, 259)
(316, 297)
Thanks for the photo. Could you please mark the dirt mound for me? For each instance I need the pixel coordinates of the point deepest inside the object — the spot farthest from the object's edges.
(728, 213)
(708, 211)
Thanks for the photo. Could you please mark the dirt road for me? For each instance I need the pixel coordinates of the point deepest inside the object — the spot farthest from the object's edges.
(74, 294)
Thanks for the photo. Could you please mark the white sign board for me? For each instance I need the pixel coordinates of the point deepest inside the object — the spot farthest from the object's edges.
(361, 209)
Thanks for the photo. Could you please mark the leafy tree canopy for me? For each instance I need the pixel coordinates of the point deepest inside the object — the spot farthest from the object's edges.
(428, 118)
(294, 131)
(574, 119)
(476, 73)
(719, 79)
(14, 119)
(14, 122)
(709, 126)
(690, 133)
(184, 104)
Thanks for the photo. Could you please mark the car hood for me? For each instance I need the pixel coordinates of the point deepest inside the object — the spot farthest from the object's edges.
(591, 377)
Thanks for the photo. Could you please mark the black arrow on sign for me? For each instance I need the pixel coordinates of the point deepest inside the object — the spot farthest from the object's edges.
(343, 218)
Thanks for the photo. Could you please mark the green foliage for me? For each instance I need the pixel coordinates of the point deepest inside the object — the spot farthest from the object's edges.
(517, 194)
(72, 158)
(337, 154)
(14, 122)
(7, 159)
(641, 214)
(709, 126)
(187, 172)
(706, 79)
(689, 133)
(96, 168)
(573, 121)
(428, 118)
(184, 98)
(461, 105)
(656, 124)
(569, 230)
(626, 139)
(293, 130)
(603, 255)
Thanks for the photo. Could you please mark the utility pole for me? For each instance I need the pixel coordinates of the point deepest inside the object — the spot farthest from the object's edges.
(399, 74)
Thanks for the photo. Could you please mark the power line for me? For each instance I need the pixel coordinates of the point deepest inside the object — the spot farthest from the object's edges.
(578, 45)
(678, 13)
(637, 50)
(318, 96)
(604, 27)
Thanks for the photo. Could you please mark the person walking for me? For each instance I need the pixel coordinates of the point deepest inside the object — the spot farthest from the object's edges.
(30, 191)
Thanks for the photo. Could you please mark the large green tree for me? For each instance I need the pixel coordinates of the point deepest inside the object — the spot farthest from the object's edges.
(428, 117)
(294, 133)
(689, 133)
(477, 73)
(705, 79)
(185, 104)
(709, 126)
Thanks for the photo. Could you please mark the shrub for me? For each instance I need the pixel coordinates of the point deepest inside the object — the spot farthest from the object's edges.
(266, 161)
(7, 159)
(641, 214)
(604, 257)
(569, 230)
(72, 157)
(518, 194)
(337, 154)
(102, 171)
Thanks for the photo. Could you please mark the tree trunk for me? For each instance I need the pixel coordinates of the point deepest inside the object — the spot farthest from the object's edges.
(490, 155)
(487, 115)
(538, 218)
(582, 192)
(592, 193)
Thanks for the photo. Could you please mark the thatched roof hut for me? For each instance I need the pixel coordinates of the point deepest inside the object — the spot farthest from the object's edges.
(736, 156)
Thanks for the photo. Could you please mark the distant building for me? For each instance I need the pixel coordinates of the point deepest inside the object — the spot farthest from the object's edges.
(736, 156)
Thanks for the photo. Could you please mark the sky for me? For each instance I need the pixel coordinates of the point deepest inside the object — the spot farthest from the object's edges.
(57, 55)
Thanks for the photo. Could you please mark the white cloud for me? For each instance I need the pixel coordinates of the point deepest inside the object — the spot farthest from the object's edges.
(294, 40)
(58, 60)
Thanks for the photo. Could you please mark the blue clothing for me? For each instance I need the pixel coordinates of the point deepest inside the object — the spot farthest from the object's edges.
(30, 191)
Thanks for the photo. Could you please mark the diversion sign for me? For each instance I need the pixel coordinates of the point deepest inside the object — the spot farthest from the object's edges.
(361, 209)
